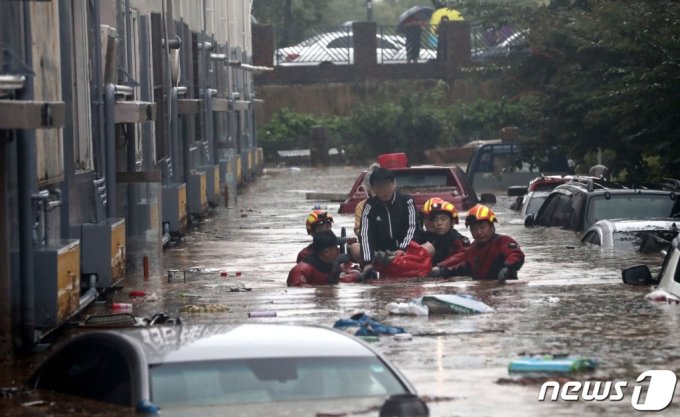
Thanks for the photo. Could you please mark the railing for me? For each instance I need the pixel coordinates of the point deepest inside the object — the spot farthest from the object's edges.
(328, 45)
(398, 45)
(406, 44)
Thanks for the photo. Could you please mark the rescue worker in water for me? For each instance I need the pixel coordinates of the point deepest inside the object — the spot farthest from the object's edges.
(490, 257)
(317, 221)
(440, 238)
(325, 266)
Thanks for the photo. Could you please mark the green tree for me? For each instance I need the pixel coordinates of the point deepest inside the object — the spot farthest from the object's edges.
(608, 76)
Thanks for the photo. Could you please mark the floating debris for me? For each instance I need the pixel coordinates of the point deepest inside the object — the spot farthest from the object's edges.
(204, 308)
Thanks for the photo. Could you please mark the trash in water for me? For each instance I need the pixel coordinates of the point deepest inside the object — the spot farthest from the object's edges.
(224, 274)
(176, 275)
(439, 304)
(414, 308)
(240, 289)
(552, 364)
(454, 304)
(367, 326)
(204, 308)
(37, 403)
(369, 339)
(262, 314)
(238, 274)
(121, 306)
(185, 294)
(133, 294)
(662, 296)
(403, 336)
(151, 298)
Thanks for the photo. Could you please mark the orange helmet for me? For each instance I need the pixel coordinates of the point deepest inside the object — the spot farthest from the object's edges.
(317, 217)
(480, 213)
(437, 205)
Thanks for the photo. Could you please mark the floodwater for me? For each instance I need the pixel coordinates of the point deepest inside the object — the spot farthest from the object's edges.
(569, 299)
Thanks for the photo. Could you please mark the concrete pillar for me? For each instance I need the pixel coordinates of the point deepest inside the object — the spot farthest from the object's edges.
(457, 48)
(263, 45)
(365, 43)
(318, 147)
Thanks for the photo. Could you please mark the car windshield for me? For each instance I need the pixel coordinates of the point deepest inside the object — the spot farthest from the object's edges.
(627, 206)
(535, 203)
(265, 380)
(422, 181)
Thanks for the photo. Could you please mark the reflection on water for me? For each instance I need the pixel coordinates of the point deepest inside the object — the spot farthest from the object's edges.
(569, 300)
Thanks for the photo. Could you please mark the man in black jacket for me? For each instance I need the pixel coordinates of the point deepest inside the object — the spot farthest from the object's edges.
(388, 221)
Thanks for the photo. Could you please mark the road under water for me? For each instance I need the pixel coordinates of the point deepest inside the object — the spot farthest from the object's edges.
(569, 299)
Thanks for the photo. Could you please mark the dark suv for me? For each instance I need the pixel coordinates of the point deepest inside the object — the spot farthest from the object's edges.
(580, 203)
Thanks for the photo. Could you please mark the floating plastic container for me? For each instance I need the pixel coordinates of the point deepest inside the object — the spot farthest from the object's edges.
(552, 364)
(454, 304)
(393, 160)
(121, 307)
(262, 314)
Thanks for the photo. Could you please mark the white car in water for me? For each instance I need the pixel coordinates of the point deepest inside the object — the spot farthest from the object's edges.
(251, 369)
(668, 280)
(337, 48)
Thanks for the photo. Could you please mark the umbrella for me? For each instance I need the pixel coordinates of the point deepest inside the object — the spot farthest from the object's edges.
(445, 13)
(415, 14)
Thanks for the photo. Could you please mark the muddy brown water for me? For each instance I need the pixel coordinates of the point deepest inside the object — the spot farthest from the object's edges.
(569, 299)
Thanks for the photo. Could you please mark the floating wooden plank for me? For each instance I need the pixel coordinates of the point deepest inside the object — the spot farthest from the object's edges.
(188, 106)
(319, 196)
(23, 114)
(220, 104)
(134, 111)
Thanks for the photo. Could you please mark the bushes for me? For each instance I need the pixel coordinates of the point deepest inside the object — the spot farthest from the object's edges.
(411, 123)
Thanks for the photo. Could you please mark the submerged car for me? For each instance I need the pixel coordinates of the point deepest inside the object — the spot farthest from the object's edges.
(668, 280)
(498, 166)
(538, 190)
(422, 183)
(253, 369)
(582, 202)
(630, 233)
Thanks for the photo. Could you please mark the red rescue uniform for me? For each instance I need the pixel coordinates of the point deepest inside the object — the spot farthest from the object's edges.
(314, 271)
(445, 246)
(484, 262)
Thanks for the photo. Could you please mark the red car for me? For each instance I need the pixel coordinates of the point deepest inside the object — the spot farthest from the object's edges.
(422, 182)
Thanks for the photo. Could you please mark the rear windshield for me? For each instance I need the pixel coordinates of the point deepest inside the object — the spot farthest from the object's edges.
(423, 181)
(625, 206)
(271, 380)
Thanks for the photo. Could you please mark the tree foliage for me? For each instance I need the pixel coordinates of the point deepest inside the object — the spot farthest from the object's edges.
(607, 74)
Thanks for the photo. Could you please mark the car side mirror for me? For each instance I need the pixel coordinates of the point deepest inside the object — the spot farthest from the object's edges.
(404, 405)
(529, 220)
(637, 275)
(487, 198)
(517, 190)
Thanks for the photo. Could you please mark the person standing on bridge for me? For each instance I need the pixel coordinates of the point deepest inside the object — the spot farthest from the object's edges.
(388, 220)
(325, 265)
(490, 257)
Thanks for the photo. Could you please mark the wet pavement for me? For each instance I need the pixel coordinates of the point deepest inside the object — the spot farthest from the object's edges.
(569, 299)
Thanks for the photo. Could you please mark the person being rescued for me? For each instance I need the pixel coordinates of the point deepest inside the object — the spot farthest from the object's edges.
(388, 224)
(440, 238)
(317, 221)
(325, 265)
(490, 257)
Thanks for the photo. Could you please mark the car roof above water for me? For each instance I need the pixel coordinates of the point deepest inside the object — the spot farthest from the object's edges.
(247, 341)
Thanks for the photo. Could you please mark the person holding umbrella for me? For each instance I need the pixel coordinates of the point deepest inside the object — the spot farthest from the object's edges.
(411, 24)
